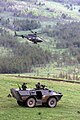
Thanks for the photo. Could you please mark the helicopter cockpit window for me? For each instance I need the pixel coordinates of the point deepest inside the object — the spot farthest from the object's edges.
(38, 38)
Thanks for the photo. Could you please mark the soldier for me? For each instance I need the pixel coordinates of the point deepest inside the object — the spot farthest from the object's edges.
(43, 86)
(24, 86)
(38, 86)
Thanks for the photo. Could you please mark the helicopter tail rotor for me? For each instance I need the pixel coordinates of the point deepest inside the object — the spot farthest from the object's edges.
(15, 34)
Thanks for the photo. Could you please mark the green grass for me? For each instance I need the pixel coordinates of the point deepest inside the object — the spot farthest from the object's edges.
(68, 107)
(52, 71)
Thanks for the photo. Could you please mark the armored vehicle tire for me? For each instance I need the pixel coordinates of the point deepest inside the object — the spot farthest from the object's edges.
(21, 103)
(52, 102)
(31, 102)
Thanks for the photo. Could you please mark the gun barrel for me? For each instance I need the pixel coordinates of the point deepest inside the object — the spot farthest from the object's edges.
(19, 86)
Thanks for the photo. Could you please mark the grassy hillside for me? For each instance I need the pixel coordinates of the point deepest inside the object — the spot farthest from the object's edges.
(41, 10)
(67, 109)
(53, 18)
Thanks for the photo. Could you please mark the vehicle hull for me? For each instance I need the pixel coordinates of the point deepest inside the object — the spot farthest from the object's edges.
(41, 96)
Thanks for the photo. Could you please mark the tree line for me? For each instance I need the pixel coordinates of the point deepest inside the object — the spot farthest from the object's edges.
(67, 35)
(17, 24)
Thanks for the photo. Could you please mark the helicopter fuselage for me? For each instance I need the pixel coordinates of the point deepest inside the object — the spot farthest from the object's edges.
(34, 38)
(31, 37)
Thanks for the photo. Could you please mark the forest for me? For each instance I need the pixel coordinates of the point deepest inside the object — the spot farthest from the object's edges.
(59, 31)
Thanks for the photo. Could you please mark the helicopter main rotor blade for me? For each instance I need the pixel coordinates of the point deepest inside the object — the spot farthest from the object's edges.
(32, 31)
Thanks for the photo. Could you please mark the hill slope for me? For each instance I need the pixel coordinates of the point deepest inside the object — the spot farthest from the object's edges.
(20, 56)
(51, 19)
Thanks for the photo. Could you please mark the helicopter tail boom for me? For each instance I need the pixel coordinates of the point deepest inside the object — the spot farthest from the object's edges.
(15, 34)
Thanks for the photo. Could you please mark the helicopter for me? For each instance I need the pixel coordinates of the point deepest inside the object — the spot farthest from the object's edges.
(31, 37)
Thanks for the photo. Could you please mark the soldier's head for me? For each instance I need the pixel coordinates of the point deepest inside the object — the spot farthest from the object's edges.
(24, 83)
(38, 83)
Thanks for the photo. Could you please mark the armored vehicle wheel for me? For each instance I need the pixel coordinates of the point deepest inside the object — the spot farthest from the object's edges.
(31, 102)
(52, 102)
(21, 103)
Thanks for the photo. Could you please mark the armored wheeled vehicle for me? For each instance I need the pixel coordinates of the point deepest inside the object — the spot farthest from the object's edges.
(38, 96)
